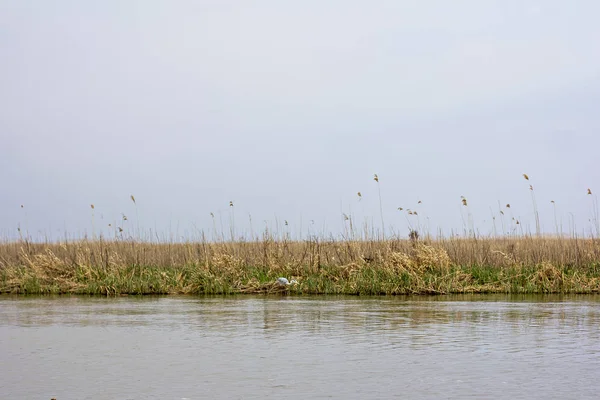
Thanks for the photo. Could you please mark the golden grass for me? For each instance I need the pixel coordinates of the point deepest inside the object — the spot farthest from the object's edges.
(454, 265)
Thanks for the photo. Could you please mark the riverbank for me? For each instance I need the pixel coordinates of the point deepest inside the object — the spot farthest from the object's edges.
(500, 265)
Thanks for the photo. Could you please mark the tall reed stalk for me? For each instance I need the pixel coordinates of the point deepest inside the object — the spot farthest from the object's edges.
(376, 179)
(538, 230)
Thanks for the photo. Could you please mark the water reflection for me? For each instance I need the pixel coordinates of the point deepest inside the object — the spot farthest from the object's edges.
(298, 347)
(343, 316)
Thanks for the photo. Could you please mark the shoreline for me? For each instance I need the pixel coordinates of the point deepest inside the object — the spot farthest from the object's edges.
(523, 265)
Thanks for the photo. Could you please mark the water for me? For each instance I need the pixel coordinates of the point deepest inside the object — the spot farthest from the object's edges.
(299, 347)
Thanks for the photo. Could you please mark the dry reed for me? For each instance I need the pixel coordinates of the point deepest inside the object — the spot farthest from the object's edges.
(454, 265)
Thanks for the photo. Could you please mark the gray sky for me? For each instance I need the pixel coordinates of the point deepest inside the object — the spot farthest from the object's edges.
(289, 108)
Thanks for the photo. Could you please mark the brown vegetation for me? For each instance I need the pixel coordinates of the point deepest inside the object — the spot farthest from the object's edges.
(522, 265)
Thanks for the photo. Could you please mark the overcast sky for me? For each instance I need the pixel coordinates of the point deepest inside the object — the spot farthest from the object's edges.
(289, 108)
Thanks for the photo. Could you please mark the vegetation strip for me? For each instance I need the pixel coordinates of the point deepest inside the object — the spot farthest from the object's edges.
(508, 265)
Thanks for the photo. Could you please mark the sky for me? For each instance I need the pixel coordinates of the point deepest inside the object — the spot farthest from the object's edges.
(288, 109)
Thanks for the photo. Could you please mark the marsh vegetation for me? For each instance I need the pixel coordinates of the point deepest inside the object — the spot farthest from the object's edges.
(359, 262)
(456, 265)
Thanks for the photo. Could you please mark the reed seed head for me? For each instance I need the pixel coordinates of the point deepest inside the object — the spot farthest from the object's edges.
(91, 205)
(419, 202)
(133, 199)
(231, 204)
(376, 178)
(589, 192)
(526, 176)
(508, 206)
(530, 187)
(400, 208)
(464, 202)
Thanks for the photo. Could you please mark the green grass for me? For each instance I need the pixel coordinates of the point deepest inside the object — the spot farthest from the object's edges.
(371, 280)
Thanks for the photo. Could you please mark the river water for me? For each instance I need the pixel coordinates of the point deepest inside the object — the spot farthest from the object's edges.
(299, 347)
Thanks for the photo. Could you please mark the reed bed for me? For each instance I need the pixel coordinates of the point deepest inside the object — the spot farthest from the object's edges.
(529, 264)
(359, 263)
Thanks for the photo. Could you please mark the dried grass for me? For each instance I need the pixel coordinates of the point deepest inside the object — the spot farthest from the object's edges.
(527, 264)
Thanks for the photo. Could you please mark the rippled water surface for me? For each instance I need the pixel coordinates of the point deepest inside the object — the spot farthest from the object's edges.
(299, 347)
